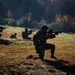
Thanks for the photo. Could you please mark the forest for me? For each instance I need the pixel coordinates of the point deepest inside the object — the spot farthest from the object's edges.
(57, 14)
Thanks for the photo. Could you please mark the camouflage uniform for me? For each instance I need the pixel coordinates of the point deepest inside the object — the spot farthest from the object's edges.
(39, 40)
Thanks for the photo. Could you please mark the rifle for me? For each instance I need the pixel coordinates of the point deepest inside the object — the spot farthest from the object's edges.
(30, 31)
(57, 32)
(54, 32)
(51, 33)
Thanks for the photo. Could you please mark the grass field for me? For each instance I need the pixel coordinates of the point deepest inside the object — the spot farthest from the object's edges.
(19, 49)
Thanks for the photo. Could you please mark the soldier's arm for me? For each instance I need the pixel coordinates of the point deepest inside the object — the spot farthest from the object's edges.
(51, 36)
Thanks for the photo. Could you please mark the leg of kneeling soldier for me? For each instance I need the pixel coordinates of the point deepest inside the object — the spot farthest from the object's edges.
(41, 52)
(52, 47)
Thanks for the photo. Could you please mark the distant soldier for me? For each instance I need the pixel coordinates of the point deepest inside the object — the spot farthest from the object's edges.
(40, 44)
(1, 29)
(0, 35)
(13, 36)
(26, 33)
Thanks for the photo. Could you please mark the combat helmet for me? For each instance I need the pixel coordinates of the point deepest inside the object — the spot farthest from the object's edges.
(44, 27)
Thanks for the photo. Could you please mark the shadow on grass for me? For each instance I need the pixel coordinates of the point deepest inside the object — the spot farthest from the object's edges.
(60, 65)
(5, 42)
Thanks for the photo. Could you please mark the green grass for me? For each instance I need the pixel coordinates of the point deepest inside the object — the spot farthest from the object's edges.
(22, 42)
(14, 29)
(65, 36)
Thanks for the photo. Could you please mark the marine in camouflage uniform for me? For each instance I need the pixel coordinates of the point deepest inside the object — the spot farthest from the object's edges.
(40, 42)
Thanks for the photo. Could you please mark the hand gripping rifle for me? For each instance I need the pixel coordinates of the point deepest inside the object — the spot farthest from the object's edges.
(51, 33)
